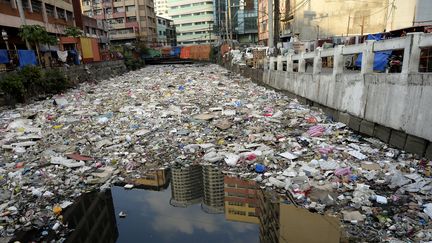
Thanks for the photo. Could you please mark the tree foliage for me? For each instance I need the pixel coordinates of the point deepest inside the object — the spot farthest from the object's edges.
(73, 31)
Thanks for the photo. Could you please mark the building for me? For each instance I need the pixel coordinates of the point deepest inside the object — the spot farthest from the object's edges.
(244, 14)
(93, 219)
(319, 19)
(186, 186)
(283, 222)
(219, 20)
(213, 179)
(55, 16)
(157, 180)
(161, 8)
(128, 20)
(193, 20)
(91, 27)
(166, 32)
(241, 200)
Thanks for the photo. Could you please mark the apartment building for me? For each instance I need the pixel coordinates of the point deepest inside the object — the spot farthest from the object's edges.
(161, 8)
(193, 20)
(55, 16)
(128, 20)
(213, 179)
(241, 200)
(186, 186)
(166, 32)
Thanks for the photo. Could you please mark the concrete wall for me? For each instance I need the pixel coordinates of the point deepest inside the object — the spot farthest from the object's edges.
(394, 107)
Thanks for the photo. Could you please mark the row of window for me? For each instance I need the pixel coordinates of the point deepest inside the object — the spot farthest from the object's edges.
(167, 32)
(192, 4)
(36, 7)
(196, 23)
(194, 14)
(192, 33)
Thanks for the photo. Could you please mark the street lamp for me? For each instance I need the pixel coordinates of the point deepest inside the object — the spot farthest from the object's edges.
(5, 38)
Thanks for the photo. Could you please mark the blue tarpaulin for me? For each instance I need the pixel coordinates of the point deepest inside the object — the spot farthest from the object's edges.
(26, 58)
(175, 51)
(4, 57)
(75, 56)
(381, 57)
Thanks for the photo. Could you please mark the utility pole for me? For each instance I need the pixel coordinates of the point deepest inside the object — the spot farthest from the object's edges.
(349, 22)
(226, 24)
(276, 32)
(270, 24)
(230, 20)
(23, 19)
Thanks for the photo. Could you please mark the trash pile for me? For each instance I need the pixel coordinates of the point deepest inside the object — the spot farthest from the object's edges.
(54, 150)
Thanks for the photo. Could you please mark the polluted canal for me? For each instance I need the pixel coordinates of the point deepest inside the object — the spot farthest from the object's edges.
(194, 153)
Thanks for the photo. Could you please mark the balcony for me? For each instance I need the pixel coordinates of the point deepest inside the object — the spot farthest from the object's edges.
(131, 25)
(123, 36)
(118, 26)
(119, 15)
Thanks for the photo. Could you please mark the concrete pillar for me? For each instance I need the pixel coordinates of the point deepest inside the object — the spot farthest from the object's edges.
(338, 60)
(290, 65)
(317, 62)
(272, 63)
(302, 64)
(30, 6)
(368, 57)
(411, 58)
(44, 13)
(279, 63)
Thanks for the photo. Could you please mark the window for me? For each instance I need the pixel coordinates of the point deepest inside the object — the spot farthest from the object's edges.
(119, 10)
(187, 24)
(61, 14)
(131, 19)
(49, 10)
(130, 8)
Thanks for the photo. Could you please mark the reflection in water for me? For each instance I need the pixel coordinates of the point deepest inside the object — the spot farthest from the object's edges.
(156, 180)
(241, 201)
(283, 222)
(213, 190)
(192, 211)
(186, 186)
(93, 219)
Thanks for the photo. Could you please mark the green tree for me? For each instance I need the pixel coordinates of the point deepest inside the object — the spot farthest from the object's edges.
(34, 34)
(73, 31)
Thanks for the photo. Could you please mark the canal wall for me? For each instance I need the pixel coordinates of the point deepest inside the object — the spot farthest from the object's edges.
(394, 107)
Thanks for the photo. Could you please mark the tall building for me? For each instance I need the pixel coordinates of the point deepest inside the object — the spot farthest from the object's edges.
(186, 186)
(128, 20)
(193, 20)
(244, 24)
(166, 32)
(241, 200)
(219, 20)
(213, 201)
(91, 27)
(161, 8)
(55, 16)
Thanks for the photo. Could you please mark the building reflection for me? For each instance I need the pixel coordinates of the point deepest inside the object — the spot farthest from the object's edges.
(213, 180)
(93, 219)
(157, 180)
(241, 200)
(281, 221)
(186, 186)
